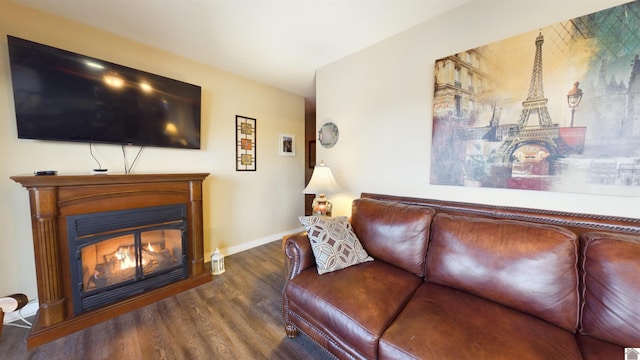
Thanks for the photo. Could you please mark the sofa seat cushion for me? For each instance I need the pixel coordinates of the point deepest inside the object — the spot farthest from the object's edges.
(611, 293)
(354, 305)
(529, 267)
(596, 349)
(445, 323)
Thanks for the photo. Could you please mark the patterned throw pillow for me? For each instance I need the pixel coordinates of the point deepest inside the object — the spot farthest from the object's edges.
(334, 244)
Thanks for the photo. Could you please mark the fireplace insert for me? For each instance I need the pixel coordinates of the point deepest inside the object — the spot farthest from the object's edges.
(117, 254)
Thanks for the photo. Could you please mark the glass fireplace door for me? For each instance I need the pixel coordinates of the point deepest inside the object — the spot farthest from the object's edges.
(130, 257)
(125, 254)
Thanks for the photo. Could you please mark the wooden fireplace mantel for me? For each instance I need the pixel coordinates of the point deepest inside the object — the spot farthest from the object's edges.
(54, 197)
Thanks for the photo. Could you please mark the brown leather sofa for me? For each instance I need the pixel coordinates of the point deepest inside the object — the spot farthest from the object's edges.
(465, 281)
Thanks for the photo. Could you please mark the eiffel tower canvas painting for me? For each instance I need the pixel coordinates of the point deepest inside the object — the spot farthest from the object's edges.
(555, 109)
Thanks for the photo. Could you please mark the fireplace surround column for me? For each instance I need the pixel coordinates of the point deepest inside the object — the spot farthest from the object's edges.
(44, 213)
(195, 224)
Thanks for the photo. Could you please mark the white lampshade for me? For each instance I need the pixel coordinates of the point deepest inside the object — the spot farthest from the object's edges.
(322, 181)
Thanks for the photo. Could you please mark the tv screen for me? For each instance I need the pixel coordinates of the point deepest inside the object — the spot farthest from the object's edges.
(61, 95)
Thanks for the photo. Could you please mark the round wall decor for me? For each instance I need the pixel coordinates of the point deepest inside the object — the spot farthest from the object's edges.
(328, 135)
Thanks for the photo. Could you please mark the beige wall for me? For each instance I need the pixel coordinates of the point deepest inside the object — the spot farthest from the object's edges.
(381, 100)
(241, 209)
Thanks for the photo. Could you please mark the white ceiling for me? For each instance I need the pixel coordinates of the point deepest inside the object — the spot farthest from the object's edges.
(277, 42)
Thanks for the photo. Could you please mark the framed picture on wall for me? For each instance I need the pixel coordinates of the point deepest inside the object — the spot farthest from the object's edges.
(495, 127)
(287, 145)
(245, 143)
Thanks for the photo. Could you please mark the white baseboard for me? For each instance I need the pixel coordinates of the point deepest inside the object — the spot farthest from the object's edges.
(28, 310)
(252, 244)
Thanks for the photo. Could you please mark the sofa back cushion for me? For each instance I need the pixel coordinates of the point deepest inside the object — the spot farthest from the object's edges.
(393, 232)
(610, 270)
(525, 266)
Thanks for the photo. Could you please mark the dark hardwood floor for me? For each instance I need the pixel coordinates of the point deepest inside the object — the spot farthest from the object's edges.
(238, 315)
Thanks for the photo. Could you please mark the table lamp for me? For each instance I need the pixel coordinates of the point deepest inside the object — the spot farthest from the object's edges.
(321, 183)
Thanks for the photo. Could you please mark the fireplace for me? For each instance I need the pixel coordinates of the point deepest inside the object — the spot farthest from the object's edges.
(117, 254)
(108, 244)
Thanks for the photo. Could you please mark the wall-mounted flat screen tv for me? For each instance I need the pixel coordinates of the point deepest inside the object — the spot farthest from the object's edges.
(65, 96)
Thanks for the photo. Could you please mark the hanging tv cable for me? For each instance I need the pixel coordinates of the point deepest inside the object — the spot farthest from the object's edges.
(99, 169)
(129, 168)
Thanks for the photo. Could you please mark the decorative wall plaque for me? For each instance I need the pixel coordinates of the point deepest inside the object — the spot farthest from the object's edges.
(245, 143)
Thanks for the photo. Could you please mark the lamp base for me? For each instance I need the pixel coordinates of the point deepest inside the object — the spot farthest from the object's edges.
(321, 206)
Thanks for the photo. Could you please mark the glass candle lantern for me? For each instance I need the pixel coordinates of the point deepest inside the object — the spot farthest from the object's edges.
(217, 263)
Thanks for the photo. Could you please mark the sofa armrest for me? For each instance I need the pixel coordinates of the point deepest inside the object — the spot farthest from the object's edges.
(298, 254)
